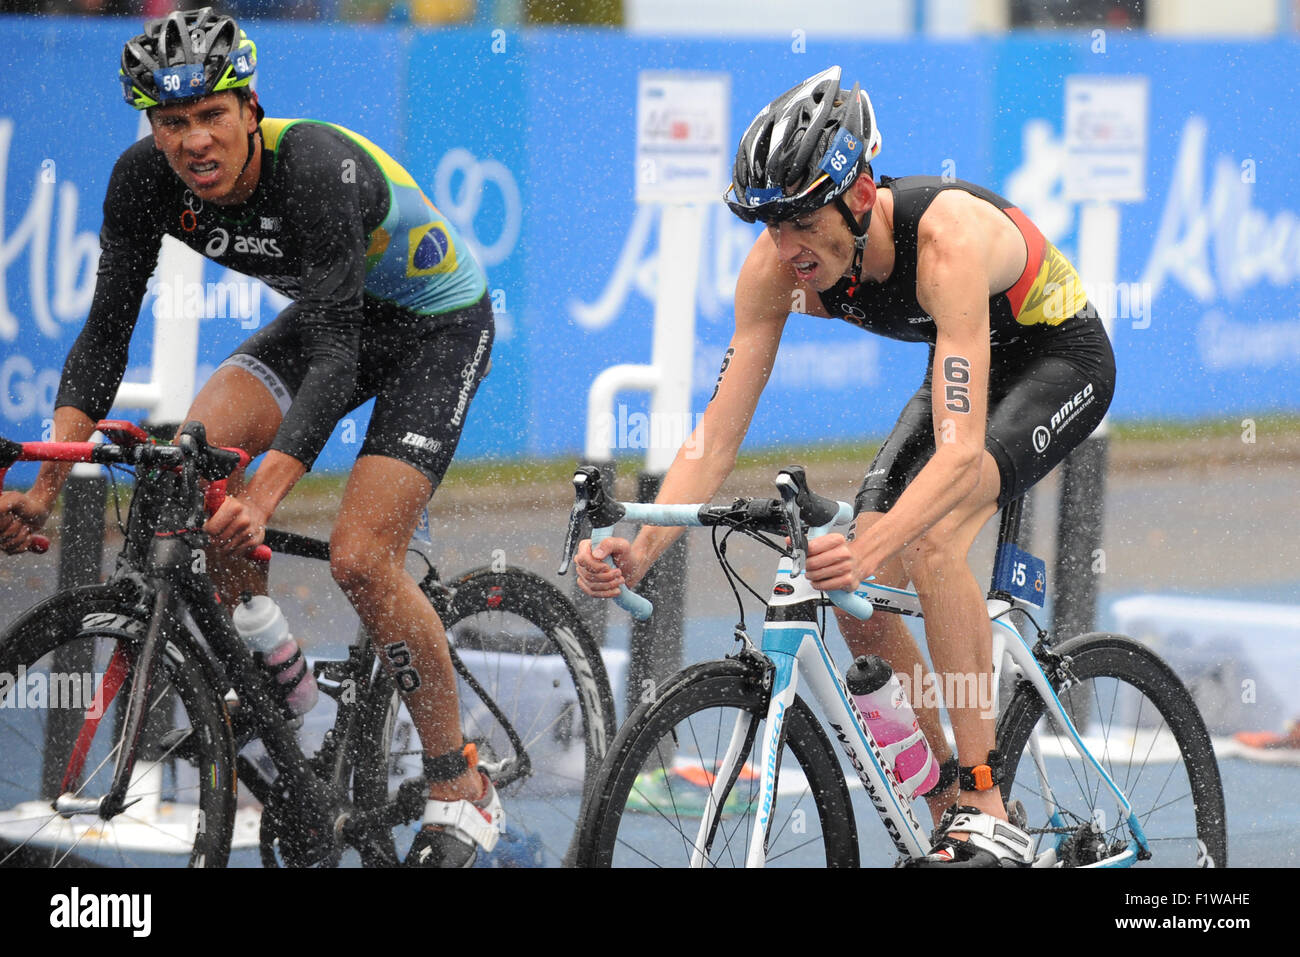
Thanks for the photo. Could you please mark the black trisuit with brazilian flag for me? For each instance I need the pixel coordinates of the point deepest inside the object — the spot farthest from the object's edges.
(388, 302)
(1051, 374)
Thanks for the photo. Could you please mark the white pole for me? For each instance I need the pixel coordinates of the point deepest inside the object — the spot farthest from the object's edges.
(1099, 265)
(673, 356)
(176, 331)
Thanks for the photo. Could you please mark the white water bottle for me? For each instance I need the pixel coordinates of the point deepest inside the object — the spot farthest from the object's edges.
(261, 624)
(879, 696)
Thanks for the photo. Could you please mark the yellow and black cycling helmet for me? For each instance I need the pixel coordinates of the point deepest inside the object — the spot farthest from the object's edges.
(186, 55)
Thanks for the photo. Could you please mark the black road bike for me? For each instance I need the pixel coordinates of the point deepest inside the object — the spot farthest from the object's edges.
(129, 709)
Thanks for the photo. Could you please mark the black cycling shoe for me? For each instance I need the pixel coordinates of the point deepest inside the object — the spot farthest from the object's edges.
(439, 848)
(991, 842)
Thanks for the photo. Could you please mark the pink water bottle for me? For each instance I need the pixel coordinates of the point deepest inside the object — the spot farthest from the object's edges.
(261, 624)
(880, 698)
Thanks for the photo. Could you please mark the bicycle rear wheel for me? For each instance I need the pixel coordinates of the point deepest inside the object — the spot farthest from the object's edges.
(60, 735)
(534, 698)
(653, 789)
(1140, 724)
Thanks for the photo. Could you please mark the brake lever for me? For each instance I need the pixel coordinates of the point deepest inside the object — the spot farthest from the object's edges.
(581, 503)
(788, 491)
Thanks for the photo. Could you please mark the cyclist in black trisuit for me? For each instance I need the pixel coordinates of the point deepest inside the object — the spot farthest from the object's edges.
(387, 303)
(1020, 372)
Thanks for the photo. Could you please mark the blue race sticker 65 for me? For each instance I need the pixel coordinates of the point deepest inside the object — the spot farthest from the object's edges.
(842, 155)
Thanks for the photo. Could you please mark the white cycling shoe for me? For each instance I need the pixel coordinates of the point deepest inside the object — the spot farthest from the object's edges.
(453, 831)
(990, 842)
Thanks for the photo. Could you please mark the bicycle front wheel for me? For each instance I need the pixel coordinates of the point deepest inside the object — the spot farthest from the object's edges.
(66, 669)
(535, 700)
(1138, 722)
(656, 786)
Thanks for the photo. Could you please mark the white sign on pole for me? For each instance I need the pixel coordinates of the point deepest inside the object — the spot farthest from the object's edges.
(682, 149)
(1105, 138)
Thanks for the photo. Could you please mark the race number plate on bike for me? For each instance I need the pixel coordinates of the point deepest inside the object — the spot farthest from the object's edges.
(1020, 574)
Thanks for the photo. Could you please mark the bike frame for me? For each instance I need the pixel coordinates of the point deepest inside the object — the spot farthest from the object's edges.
(793, 642)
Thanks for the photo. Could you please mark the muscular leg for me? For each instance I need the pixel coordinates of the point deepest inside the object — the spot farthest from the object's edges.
(380, 509)
(239, 412)
(957, 626)
(885, 635)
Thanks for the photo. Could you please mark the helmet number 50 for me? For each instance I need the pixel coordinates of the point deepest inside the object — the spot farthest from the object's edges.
(171, 83)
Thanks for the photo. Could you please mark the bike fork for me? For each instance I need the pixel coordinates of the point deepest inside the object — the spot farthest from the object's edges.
(785, 684)
(725, 775)
(114, 802)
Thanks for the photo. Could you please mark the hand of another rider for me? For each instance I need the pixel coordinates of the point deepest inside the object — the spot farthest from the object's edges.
(237, 526)
(831, 564)
(598, 579)
(20, 517)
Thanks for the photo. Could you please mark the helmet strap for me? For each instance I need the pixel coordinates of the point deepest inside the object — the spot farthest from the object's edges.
(257, 130)
(859, 230)
(249, 158)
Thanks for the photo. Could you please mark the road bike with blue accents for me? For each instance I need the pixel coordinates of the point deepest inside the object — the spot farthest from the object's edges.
(1107, 760)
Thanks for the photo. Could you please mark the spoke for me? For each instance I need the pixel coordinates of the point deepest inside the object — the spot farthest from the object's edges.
(35, 748)
(797, 847)
(1169, 803)
(639, 854)
(690, 724)
(75, 843)
(45, 818)
(672, 823)
(1066, 748)
(1107, 722)
(721, 826)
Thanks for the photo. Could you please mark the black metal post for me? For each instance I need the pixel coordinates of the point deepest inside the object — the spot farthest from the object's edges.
(1079, 556)
(81, 556)
(1027, 516)
(655, 649)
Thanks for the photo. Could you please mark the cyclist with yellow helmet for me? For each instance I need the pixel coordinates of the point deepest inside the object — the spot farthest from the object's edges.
(388, 303)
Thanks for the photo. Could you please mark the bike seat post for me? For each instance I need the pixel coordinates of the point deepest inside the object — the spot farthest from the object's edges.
(1009, 529)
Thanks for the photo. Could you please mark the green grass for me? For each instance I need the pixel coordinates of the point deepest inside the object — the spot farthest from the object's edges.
(487, 473)
(490, 472)
(839, 453)
(1181, 431)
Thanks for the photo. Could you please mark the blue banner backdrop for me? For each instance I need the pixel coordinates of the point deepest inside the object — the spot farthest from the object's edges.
(526, 141)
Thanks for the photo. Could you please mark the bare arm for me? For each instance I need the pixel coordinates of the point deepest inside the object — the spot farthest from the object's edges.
(955, 269)
(23, 513)
(764, 295)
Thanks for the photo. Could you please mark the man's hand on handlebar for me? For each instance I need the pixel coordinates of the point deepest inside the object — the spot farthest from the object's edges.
(236, 526)
(20, 517)
(597, 578)
(831, 564)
